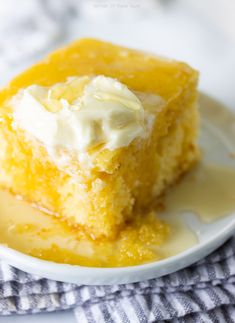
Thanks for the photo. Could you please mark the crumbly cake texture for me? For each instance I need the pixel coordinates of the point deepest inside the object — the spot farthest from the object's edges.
(102, 199)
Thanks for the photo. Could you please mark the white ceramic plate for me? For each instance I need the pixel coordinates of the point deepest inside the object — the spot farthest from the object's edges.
(218, 131)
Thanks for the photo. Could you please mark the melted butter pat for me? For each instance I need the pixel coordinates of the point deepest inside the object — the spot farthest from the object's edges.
(207, 190)
(82, 113)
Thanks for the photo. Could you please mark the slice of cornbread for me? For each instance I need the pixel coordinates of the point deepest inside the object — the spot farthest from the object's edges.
(101, 196)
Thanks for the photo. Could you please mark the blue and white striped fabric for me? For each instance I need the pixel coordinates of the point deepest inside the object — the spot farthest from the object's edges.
(204, 292)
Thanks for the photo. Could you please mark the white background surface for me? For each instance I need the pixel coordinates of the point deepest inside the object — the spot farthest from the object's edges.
(201, 33)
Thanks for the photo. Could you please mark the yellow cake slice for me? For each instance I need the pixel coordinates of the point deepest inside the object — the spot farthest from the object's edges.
(95, 132)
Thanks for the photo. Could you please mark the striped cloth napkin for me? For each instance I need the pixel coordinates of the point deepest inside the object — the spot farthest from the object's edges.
(203, 292)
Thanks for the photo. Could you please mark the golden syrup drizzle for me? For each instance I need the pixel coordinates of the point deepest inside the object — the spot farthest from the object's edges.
(33, 232)
(208, 190)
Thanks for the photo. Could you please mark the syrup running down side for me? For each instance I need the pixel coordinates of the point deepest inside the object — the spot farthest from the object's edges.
(208, 191)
